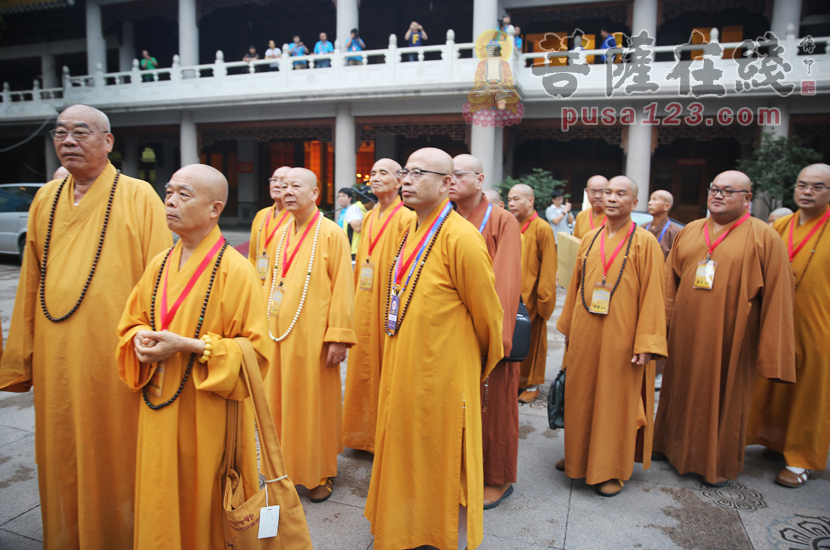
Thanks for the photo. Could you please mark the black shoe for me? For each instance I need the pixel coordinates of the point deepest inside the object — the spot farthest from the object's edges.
(658, 457)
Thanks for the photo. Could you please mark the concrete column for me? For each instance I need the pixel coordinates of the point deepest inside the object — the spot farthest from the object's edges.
(386, 147)
(130, 160)
(498, 160)
(247, 151)
(47, 70)
(785, 12)
(189, 140)
(96, 46)
(485, 15)
(638, 160)
(347, 19)
(482, 146)
(345, 155)
(126, 53)
(644, 18)
(188, 33)
(52, 162)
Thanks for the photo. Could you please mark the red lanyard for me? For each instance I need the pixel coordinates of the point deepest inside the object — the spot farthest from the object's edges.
(286, 261)
(167, 315)
(419, 248)
(607, 263)
(591, 219)
(711, 246)
(793, 251)
(533, 217)
(269, 236)
(374, 242)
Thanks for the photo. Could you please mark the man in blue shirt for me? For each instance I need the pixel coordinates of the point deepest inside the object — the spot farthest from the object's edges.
(414, 37)
(517, 38)
(321, 47)
(296, 49)
(355, 44)
(608, 42)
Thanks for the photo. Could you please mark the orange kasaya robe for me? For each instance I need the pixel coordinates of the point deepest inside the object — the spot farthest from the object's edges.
(86, 420)
(586, 221)
(500, 416)
(794, 419)
(719, 341)
(304, 394)
(264, 230)
(360, 404)
(609, 401)
(428, 457)
(539, 294)
(181, 447)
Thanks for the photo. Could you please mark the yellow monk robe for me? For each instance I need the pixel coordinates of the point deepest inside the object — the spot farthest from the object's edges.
(539, 294)
(794, 419)
(86, 420)
(428, 457)
(181, 447)
(586, 221)
(360, 406)
(609, 401)
(264, 230)
(719, 341)
(305, 395)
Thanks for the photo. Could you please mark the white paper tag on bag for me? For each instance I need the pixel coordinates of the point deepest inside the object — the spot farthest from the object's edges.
(269, 521)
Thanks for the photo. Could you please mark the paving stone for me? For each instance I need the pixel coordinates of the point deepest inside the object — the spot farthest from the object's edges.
(27, 525)
(18, 479)
(335, 526)
(782, 526)
(17, 410)
(12, 541)
(10, 435)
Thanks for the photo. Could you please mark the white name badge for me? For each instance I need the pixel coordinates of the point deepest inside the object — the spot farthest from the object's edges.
(705, 274)
(276, 301)
(269, 522)
(600, 299)
(262, 265)
(367, 275)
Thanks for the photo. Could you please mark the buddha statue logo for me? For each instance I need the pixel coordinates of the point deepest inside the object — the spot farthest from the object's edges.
(493, 101)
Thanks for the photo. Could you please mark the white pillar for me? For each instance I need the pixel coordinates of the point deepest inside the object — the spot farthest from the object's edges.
(188, 34)
(785, 12)
(638, 161)
(189, 140)
(485, 15)
(482, 147)
(347, 19)
(498, 160)
(644, 18)
(345, 155)
(47, 70)
(96, 46)
(52, 162)
(126, 53)
(130, 160)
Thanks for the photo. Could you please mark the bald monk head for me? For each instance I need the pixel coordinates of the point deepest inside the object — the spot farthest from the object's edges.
(723, 208)
(300, 194)
(493, 196)
(196, 196)
(275, 184)
(60, 173)
(83, 142)
(659, 204)
(778, 213)
(521, 201)
(812, 190)
(620, 198)
(385, 181)
(427, 182)
(595, 188)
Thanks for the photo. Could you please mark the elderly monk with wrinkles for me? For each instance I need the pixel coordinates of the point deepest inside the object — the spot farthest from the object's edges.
(266, 223)
(538, 285)
(591, 218)
(793, 420)
(500, 412)
(614, 325)
(310, 301)
(180, 338)
(729, 308)
(86, 420)
(383, 228)
(444, 336)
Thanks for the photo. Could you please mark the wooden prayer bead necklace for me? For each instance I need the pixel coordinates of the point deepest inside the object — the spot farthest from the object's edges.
(810, 259)
(305, 284)
(414, 281)
(146, 388)
(619, 277)
(46, 252)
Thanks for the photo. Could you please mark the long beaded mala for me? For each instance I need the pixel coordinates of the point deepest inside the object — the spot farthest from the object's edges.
(414, 281)
(810, 259)
(619, 277)
(305, 284)
(146, 388)
(46, 252)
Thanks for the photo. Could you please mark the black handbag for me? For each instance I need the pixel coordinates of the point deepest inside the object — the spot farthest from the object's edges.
(556, 402)
(521, 335)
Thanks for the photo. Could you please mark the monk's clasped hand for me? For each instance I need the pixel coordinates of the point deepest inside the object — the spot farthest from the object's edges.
(152, 347)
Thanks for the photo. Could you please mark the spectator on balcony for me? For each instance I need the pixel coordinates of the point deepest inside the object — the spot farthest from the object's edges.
(578, 48)
(272, 53)
(414, 37)
(355, 44)
(250, 55)
(323, 46)
(148, 63)
(517, 39)
(296, 49)
(608, 42)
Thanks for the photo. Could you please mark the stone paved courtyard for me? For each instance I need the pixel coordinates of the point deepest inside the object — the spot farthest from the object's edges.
(658, 509)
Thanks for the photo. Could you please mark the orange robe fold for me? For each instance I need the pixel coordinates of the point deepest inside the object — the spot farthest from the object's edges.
(582, 222)
(428, 457)
(305, 395)
(181, 447)
(719, 341)
(609, 401)
(794, 419)
(360, 404)
(86, 419)
(260, 233)
(539, 294)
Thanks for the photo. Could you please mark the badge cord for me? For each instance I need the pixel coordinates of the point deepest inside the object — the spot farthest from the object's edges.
(373, 242)
(607, 263)
(794, 250)
(720, 239)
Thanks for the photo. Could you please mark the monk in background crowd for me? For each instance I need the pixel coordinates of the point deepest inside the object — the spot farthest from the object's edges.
(493, 197)
(592, 218)
(659, 206)
(266, 223)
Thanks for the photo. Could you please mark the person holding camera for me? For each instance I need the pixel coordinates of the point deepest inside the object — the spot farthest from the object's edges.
(414, 37)
(296, 49)
(355, 44)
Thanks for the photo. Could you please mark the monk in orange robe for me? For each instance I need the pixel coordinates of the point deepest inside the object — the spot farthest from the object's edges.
(444, 326)
(177, 346)
(86, 421)
(538, 285)
(493, 197)
(310, 296)
(378, 245)
(794, 419)
(266, 223)
(591, 218)
(729, 308)
(612, 332)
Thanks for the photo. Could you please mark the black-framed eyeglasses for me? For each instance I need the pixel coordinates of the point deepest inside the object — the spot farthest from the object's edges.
(814, 187)
(713, 191)
(59, 134)
(416, 173)
(459, 173)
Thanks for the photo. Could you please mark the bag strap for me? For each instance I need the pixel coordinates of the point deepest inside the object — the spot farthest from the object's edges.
(231, 439)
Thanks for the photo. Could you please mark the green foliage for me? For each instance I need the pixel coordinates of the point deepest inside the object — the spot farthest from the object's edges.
(774, 168)
(541, 181)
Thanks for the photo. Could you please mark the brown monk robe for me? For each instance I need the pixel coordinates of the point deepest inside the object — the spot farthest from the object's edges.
(609, 395)
(538, 285)
(728, 324)
(794, 419)
(500, 412)
(591, 218)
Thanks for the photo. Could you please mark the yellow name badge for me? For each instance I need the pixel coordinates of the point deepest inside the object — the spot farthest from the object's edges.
(276, 301)
(157, 381)
(705, 274)
(262, 266)
(367, 276)
(600, 299)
